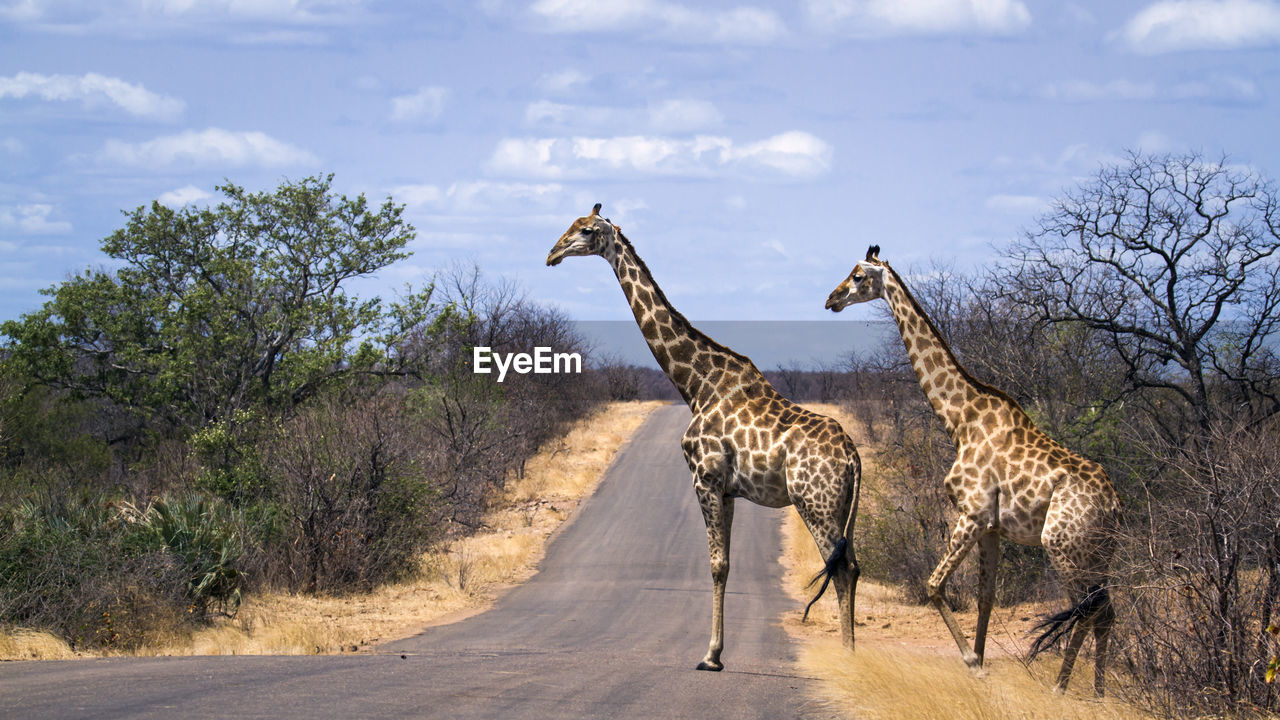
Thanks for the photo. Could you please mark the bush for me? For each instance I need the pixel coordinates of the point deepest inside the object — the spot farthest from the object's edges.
(353, 495)
(1200, 569)
(80, 570)
(201, 534)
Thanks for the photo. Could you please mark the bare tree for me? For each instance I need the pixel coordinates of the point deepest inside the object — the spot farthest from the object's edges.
(1173, 259)
(1200, 576)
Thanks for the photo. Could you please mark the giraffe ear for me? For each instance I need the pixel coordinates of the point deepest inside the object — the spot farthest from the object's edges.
(873, 253)
(595, 210)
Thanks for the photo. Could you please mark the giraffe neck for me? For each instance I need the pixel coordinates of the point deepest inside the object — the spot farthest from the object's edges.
(688, 357)
(945, 383)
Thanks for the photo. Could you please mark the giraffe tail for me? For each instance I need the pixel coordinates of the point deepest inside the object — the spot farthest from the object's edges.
(1057, 626)
(837, 555)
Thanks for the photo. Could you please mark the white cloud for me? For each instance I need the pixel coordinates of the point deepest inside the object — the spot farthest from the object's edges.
(416, 195)
(664, 117)
(792, 154)
(276, 22)
(20, 10)
(213, 146)
(546, 112)
(563, 82)
(1220, 89)
(741, 25)
(1085, 91)
(92, 90)
(425, 105)
(871, 18)
(280, 10)
(1203, 25)
(1016, 204)
(185, 195)
(482, 196)
(32, 219)
(12, 146)
(684, 115)
(281, 37)
(1154, 141)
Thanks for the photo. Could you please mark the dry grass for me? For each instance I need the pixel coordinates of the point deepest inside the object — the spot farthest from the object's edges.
(906, 664)
(459, 580)
(880, 682)
(22, 644)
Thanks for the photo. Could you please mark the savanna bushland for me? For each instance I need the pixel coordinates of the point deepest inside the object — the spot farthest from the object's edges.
(1136, 323)
(217, 411)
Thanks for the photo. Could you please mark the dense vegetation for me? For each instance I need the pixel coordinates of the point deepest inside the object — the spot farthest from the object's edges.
(218, 412)
(1136, 323)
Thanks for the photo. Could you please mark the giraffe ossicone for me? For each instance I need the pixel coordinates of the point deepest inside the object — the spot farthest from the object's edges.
(1009, 480)
(745, 440)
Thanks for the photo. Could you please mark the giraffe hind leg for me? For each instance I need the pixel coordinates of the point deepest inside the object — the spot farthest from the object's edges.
(841, 567)
(717, 511)
(1102, 624)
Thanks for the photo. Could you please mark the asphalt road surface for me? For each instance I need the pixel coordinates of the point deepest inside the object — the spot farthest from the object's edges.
(611, 627)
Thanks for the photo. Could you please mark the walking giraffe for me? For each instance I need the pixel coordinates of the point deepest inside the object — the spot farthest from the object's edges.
(745, 440)
(1009, 480)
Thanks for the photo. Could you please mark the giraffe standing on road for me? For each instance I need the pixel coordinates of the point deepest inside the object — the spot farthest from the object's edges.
(1009, 480)
(745, 440)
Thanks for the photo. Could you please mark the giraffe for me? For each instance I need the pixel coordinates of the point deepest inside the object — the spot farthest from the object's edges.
(1009, 480)
(745, 440)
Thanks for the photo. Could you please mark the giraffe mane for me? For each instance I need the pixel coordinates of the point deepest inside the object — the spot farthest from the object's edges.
(676, 316)
(946, 346)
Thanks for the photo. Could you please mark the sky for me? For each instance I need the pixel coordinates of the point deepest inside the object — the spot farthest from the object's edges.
(750, 150)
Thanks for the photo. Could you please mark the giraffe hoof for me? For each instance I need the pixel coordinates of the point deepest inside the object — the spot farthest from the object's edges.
(710, 666)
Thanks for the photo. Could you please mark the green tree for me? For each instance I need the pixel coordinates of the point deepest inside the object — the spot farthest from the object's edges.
(242, 305)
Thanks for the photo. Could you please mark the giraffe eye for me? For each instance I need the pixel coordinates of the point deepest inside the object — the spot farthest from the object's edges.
(588, 231)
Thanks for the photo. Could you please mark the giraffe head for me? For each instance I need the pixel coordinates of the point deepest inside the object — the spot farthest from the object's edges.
(866, 282)
(590, 235)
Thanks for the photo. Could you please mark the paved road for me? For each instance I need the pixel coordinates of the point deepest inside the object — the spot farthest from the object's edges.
(611, 627)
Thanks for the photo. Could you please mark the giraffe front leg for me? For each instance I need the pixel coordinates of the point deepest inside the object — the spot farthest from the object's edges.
(988, 561)
(963, 536)
(717, 511)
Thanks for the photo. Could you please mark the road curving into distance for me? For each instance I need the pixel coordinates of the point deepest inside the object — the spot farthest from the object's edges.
(610, 627)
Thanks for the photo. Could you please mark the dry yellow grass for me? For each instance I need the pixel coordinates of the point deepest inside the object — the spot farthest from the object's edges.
(460, 579)
(22, 644)
(884, 683)
(906, 664)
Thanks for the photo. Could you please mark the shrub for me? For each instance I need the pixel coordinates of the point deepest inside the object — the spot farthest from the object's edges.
(354, 490)
(79, 569)
(1199, 570)
(201, 534)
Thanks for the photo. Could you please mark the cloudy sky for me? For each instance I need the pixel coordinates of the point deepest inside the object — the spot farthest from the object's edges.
(750, 150)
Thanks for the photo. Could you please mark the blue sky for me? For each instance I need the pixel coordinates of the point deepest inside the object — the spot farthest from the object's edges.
(750, 150)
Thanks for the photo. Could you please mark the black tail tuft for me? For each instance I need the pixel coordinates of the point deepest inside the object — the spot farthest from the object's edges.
(837, 554)
(1058, 626)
